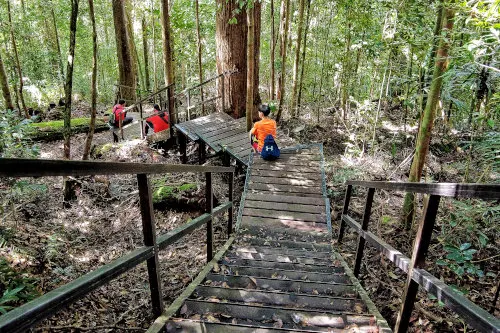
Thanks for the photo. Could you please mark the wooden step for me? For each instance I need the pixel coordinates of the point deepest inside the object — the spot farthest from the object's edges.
(297, 286)
(282, 299)
(282, 265)
(282, 257)
(284, 245)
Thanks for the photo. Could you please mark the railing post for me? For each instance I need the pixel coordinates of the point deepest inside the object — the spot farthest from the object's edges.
(172, 117)
(223, 94)
(182, 147)
(188, 109)
(201, 151)
(141, 120)
(230, 210)
(208, 209)
(347, 199)
(420, 247)
(148, 229)
(364, 226)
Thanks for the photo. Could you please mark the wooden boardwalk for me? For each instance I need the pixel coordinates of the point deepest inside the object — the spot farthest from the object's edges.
(278, 273)
(221, 132)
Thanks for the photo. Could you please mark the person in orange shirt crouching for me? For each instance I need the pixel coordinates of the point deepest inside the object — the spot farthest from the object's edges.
(262, 128)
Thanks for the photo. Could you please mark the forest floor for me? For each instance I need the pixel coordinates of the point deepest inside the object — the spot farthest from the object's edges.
(52, 246)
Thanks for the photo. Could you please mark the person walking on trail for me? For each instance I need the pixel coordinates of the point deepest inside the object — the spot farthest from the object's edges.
(264, 127)
(157, 122)
(120, 114)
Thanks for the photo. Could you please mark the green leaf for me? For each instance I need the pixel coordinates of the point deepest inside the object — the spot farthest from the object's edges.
(441, 262)
(465, 246)
(469, 252)
(456, 256)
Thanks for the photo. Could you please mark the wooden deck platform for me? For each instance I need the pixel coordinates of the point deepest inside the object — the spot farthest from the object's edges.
(222, 133)
(278, 273)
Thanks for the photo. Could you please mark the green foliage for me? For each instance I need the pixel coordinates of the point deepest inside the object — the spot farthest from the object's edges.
(15, 138)
(163, 192)
(16, 287)
(459, 260)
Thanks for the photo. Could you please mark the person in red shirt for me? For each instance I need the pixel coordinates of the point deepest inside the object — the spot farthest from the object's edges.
(158, 122)
(262, 128)
(121, 114)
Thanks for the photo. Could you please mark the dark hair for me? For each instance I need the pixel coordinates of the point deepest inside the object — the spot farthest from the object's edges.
(264, 108)
(156, 107)
(121, 101)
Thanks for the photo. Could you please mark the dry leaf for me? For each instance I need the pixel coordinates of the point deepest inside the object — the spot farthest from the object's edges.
(212, 319)
(216, 268)
(184, 309)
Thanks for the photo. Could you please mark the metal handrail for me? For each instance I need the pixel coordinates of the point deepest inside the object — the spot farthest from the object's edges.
(414, 267)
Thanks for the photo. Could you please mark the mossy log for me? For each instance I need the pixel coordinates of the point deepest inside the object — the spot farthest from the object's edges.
(53, 130)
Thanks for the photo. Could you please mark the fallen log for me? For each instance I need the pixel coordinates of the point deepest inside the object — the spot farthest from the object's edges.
(53, 130)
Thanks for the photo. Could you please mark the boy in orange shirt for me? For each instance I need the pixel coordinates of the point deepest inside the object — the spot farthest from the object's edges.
(262, 128)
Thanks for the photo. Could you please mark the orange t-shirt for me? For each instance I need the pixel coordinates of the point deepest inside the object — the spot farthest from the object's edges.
(263, 128)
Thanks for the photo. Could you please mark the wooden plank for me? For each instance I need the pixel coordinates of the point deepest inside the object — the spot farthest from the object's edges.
(209, 130)
(286, 181)
(272, 225)
(236, 142)
(285, 167)
(177, 325)
(284, 215)
(300, 157)
(16, 167)
(294, 194)
(283, 174)
(284, 188)
(281, 206)
(223, 133)
(239, 146)
(274, 197)
(313, 164)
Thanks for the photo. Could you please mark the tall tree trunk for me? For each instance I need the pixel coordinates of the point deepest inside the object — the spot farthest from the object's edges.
(296, 64)
(425, 131)
(123, 51)
(5, 86)
(68, 186)
(285, 21)
(273, 48)
(155, 71)
(88, 142)
(168, 60)
(135, 55)
(346, 68)
(301, 82)
(231, 55)
(18, 63)
(198, 37)
(250, 66)
(257, 8)
(145, 53)
(58, 46)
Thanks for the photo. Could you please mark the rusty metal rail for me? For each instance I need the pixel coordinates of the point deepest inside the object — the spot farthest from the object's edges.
(475, 316)
(27, 315)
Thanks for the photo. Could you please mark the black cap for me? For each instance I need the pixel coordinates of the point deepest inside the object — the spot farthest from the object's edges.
(264, 108)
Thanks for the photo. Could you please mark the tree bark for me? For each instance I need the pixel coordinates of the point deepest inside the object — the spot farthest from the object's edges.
(18, 63)
(250, 66)
(198, 38)
(90, 135)
(136, 64)
(301, 82)
(123, 51)
(273, 48)
(168, 60)
(58, 46)
(285, 21)
(257, 29)
(145, 53)
(5, 87)
(296, 62)
(425, 131)
(68, 186)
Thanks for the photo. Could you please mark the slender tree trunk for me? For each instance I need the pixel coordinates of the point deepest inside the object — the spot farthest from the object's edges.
(88, 142)
(155, 74)
(124, 52)
(250, 66)
(58, 46)
(200, 67)
(301, 82)
(346, 68)
(257, 8)
(145, 53)
(273, 48)
(5, 87)
(285, 21)
(425, 131)
(296, 62)
(168, 60)
(18, 63)
(68, 186)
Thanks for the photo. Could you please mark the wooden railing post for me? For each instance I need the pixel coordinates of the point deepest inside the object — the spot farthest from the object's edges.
(182, 147)
(230, 210)
(347, 199)
(208, 209)
(201, 152)
(223, 94)
(148, 229)
(172, 116)
(364, 226)
(188, 108)
(420, 247)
